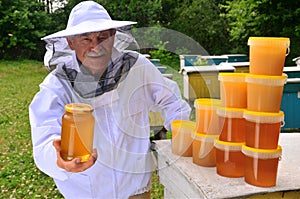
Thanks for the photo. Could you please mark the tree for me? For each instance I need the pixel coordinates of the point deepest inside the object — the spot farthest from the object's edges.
(52, 5)
(22, 23)
(200, 19)
(264, 18)
(146, 13)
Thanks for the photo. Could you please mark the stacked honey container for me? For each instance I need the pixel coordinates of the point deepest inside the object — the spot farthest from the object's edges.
(229, 156)
(196, 139)
(263, 117)
(239, 133)
(206, 131)
(259, 93)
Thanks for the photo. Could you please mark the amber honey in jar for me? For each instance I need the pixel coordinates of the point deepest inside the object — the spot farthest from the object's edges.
(204, 152)
(267, 54)
(263, 129)
(264, 92)
(229, 159)
(233, 90)
(77, 132)
(207, 121)
(234, 124)
(181, 137)
(261, 166)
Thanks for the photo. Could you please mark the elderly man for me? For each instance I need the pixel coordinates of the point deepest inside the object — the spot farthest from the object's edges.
(122, 86)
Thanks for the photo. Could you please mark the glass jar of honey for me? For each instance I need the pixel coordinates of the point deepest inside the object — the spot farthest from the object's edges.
(77, 132)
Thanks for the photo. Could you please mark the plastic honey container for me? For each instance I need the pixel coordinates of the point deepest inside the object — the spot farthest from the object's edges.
(182, 137)
(263, 129)
(229, 159)
(261, 166)
(267, 55)
(204, 152)
(233, 90)
(207, 120)
(234, 124)
(264, 93)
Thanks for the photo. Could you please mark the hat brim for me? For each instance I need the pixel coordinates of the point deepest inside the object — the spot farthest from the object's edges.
(89, 26)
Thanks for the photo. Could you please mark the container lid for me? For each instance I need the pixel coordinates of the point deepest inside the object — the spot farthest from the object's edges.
(185, 126)
(231, 146)
(78, 108)
(266, 41)
(230, 112)
(207, 103)
(262, 153)
(264, 117)
(204, 137)
(267, 79)
(232, 77)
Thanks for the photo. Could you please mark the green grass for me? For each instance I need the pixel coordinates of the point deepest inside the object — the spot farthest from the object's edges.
(19, 177)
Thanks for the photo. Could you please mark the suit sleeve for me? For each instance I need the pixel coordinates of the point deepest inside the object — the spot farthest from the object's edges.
(45, 113)
(165, 96)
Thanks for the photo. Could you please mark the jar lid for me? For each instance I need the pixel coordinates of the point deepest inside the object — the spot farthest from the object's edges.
(78, 108)
(231, 146)
(262, 153)
(204, 137)
(184, 126)
(232, 77)
(264, 117)
(230, 112)
(266, 41)
(267, 79)
(207, 103)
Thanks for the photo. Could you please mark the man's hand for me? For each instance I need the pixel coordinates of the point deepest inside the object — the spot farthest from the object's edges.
(160, 135)
(74, 165)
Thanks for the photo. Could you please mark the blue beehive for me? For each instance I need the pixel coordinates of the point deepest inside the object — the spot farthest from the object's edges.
(189, 60)
(155, 61)
(215, 60)
(236, 58)
(290, 104)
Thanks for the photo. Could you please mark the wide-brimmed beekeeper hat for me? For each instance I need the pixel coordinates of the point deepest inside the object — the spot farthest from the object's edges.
(88, 16)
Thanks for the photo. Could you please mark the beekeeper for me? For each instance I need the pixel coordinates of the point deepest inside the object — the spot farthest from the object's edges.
(122, 86)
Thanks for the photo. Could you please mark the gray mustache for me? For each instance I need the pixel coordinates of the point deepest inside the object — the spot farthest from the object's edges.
(96, 54)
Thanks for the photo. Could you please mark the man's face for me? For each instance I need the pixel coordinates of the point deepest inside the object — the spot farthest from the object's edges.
(93, 49)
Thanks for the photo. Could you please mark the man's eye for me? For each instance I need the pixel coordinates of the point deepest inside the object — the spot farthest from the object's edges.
(85, 40)
(102, 38)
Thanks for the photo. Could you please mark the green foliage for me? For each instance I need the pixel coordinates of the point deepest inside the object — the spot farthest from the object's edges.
(146, 13)
(22, 23)
(165, 56)
(219, 26)
(148, 37)
(200, 19)
(264, 18)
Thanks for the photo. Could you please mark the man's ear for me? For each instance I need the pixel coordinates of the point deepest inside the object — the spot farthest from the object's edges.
(70, 43)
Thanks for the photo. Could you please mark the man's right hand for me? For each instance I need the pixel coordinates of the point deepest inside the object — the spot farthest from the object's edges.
(74, 165)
